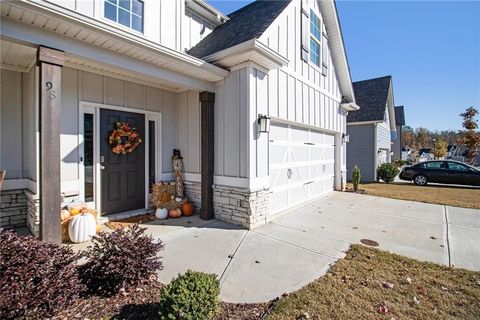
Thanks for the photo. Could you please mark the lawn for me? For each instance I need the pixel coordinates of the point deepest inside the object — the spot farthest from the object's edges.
(465, 197)
(373, 284)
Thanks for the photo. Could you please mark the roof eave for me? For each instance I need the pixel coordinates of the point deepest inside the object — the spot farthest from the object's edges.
(251, 50)
(350, 106)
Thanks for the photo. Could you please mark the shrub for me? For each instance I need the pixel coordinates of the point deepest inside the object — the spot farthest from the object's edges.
(120, 259)
(37, 279)
(387, 172)
(356, 176)
(193, 295)
(400, 163)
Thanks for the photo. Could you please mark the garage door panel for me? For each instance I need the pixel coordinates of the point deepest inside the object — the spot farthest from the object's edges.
(301, 165)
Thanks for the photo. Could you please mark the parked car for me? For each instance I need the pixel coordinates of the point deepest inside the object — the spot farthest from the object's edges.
(441, 171)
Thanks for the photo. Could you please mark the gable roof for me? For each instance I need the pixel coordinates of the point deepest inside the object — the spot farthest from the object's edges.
(399, 116)
(372, 97)
(245, 24)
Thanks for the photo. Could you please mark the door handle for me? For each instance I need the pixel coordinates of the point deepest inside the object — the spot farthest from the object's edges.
(102, 168)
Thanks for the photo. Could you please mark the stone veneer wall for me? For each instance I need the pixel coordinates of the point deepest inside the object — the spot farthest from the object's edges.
(33, 215)
(13, 209)
(194, 194)
(241, 206)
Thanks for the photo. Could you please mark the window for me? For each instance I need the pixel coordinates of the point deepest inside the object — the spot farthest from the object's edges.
(88, 156)
(434, 165)
(315, 38)
(457, 166)
(126, 12)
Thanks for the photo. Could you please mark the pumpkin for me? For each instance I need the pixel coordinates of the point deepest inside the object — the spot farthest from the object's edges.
(161, 213)
(165, 197)
(82, 228)
(187, 209)
(175, 213)
(64, 215)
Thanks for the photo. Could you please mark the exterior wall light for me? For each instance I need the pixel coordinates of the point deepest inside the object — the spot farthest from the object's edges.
(345, 138)
(264, 123)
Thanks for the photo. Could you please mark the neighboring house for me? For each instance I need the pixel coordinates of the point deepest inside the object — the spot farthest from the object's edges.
(185, 77)
(425, 154)
(408, 154)
(459, 152)
(398, 142)
(372, 128)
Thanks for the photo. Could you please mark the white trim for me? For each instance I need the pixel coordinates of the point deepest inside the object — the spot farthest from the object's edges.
(359, 123)
(375, 150)
(94, 108)
(302, 125)
(18, 184)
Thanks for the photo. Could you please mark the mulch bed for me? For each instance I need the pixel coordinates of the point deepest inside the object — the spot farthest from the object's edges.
(142, 303)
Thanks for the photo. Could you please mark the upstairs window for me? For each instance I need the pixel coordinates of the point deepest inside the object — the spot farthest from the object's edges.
(125, 12)
(315, 38)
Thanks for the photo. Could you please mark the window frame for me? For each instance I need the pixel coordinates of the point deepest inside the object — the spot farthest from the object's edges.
(312, 37)
(130, 12)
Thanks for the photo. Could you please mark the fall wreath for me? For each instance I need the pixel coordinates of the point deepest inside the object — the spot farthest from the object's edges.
(124, 139)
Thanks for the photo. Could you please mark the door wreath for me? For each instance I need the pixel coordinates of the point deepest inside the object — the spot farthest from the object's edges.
(117, 140)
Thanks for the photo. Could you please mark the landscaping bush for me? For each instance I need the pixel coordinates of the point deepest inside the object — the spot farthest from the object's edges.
(120, 259)
(193, 295)
(400, 163)
(37, 279)
(356, 176)
(387, 172)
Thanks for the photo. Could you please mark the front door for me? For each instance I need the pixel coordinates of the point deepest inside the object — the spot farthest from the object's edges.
(122, 175)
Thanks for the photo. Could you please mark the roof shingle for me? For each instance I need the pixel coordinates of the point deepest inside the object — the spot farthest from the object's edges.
(245, 24)
(371, 95)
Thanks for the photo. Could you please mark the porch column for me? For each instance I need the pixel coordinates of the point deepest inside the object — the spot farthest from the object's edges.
(51, 62)
(207, 100)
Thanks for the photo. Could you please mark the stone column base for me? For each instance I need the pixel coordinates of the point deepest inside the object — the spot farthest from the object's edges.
(33, 213)
(241, 206)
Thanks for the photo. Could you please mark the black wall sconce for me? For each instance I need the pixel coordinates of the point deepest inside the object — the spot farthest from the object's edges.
(264, 123)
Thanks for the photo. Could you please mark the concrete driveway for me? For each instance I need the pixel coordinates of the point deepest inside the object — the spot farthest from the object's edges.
(299, 246)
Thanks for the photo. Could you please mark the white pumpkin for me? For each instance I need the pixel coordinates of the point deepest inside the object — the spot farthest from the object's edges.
(82, 228)
(161, 213)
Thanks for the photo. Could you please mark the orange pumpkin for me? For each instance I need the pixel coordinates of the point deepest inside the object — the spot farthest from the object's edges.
(187, 209)
(174, 213)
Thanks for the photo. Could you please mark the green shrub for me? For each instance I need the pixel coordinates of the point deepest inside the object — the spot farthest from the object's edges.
(400, 163)
(387, 172)
(193, 295)
(356, 176)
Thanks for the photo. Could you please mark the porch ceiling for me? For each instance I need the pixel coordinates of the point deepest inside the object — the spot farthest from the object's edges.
(16, 57)
(68, 24)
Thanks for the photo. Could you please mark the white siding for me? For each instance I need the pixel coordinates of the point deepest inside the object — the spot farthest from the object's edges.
(180, 117)
(29, 125)
(231, 125)
(195, 28)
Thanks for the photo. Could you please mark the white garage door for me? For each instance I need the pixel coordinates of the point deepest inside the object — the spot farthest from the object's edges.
(302, 165)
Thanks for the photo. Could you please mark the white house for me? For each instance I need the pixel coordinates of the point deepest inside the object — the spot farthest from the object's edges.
(186, 77)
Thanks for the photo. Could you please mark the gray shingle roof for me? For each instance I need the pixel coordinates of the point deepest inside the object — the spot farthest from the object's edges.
(371, 95)
(399, 116)
(245, 24)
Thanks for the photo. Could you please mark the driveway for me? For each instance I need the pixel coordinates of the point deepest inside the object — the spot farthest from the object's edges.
(299, 246)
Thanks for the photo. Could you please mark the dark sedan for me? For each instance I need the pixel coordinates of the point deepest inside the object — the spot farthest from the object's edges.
(441, 171)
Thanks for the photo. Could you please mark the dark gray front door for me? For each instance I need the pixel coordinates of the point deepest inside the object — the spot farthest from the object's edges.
(123, 175)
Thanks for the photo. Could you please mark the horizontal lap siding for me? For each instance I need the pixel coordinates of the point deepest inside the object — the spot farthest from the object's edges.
(360, 151)
(383, 136)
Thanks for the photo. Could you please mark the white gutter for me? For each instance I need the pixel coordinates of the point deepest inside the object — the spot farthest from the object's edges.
(220, 15)
(57, 12)
(251, 50)
(351, 106)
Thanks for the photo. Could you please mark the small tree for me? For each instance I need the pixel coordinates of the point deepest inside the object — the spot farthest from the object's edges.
(356, 178)
(472, 137)
(440, 148)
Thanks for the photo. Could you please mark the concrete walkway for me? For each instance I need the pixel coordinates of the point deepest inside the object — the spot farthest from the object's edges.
(299, 247)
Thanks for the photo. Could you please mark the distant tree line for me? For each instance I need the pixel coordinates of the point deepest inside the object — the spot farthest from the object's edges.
(439, 140)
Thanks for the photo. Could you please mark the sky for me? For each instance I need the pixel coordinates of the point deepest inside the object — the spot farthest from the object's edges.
(430, 48)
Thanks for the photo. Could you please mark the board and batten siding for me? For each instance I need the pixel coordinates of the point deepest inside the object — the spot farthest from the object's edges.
(166, 22)
(231, 125)
(180, 116)
(361, 151)
(18, 124)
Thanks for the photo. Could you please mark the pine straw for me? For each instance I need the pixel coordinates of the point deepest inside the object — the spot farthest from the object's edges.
(463, 197)
(354, 289)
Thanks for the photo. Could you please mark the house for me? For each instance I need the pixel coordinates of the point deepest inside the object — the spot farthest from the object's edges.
(256, 102)
(372, 129)
(425, 154)
(398, 142)
(408, 154)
